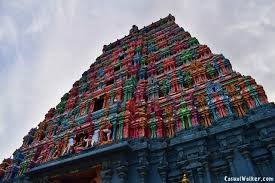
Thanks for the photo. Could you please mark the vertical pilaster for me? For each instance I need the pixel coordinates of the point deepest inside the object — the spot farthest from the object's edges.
(207, 171)
(106, 172)
(200, 174)
(162, 169)
(246, 154)
(142, 167)
(122, 170)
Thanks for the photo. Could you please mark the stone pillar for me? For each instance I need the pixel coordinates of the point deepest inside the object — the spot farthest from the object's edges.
(190, 176)
(246, 154)
(91, 107)
(207, 172)
(114, 123)
(232, 168)
(122, 171)
(106, 172)
(142, 171)
(106, 176)
(200, 174)
(142, 167)
(228, 153)
(162, 169)
(271, 148)
(106, 100)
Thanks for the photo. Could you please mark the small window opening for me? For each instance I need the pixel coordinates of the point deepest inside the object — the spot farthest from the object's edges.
(99, 103)
(117, 68)
(121, 57)
(110, 82)
(213, 89)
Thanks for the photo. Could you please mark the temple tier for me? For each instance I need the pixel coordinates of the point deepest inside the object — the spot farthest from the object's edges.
(165, 103)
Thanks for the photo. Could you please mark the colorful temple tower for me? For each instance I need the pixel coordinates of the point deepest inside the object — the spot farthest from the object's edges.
(155, 105)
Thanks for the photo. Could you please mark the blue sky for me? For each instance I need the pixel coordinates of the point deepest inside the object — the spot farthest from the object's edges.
(46, 45)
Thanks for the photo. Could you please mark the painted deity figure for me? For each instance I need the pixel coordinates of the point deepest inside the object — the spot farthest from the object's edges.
(129, 118)
(169, 121)
(39, 135)
(23, 167)
(120, 125)
(44, 154)
(252, 93)
(89, 133)
(153, 126)
(105, 132)
(83, 108)
(58, 150)
(28, 139)
(155, 119)
(129, 88)
(236, 100)
(152, 89)
(70, 145)
(210, 70)
(188, 79)
(185, 115)
(3, 167)
(218, 101)
(95, 138)
(140, 91)
(140, 123)
(203, 110)
(11, 171)
(198, 72)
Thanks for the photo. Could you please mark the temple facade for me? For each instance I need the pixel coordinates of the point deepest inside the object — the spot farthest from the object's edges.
(155, 105)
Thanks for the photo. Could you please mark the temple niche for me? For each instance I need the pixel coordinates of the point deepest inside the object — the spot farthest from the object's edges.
(155, 106)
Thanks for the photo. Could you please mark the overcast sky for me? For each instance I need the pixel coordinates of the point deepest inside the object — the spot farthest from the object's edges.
(46, 45)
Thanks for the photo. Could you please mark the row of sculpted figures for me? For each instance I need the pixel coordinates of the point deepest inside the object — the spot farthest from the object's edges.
(135, 118)
(215, 103)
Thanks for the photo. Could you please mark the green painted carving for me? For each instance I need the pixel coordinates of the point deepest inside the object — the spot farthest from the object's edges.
(129, 88)
(143, 62)
(184, 114)
(186, 57)
(120, 125)
(253, 93)
(193, 42)
(188, 78)
(164, 87)
(153, 127)
(210, 70)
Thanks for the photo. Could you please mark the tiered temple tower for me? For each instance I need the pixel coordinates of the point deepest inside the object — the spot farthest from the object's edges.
(155, 105)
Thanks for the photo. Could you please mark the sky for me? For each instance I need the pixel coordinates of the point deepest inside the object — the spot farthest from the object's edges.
(45, 46)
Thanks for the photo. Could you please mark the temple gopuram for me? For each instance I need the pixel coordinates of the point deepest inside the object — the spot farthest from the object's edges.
(155, 107)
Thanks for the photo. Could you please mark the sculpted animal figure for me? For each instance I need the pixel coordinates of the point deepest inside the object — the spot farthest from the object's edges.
(69, 145)
(95, 138)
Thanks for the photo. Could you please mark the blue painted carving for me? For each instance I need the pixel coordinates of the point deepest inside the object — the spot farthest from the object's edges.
(142, 73)
(217, 98)
(137, 58)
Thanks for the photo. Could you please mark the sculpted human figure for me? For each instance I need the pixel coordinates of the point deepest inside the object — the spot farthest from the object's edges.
(120, 125)
(106, 130)
(58, 150)
(203, 110)
(236, 100)
(43, 154)
(185, 115)
(95, 138)
(220, 107)
(169, 121)
(88, 140)
(69, 145)
(39, 135)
